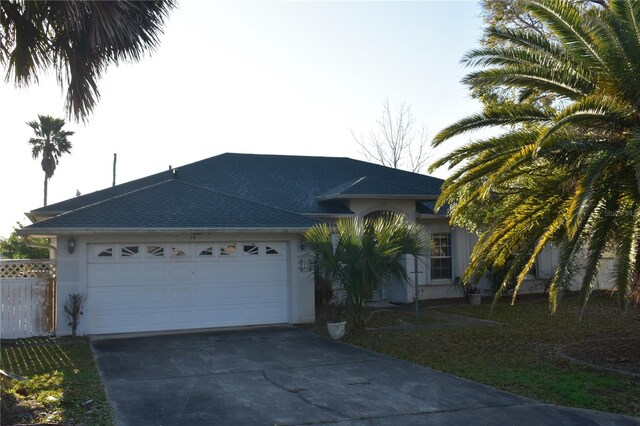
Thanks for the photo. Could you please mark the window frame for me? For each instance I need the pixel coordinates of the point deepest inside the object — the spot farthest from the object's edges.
(439, 236)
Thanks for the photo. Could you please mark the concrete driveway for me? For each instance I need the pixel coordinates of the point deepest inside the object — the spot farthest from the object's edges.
(291, 376)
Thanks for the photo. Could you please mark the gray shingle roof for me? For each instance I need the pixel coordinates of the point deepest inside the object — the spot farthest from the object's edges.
(230, 186)
(366, 186)
(190, 207)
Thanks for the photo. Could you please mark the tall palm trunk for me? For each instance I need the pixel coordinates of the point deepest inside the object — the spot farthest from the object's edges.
(46, 184)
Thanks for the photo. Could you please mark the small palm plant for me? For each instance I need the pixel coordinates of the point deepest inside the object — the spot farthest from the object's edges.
(361, 255)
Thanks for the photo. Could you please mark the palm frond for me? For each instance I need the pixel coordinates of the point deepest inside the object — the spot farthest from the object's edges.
(568, 24)
(495, 115)
(78, 40)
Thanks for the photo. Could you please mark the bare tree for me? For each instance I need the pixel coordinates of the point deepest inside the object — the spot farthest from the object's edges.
(395, 142)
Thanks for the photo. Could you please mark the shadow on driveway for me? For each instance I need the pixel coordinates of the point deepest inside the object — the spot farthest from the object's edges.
(292, 376)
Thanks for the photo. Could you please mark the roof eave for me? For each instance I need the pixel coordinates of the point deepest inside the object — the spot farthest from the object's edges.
(36, 217)
(430, 216)
(418, 197)
(46, 232)
(323, 215)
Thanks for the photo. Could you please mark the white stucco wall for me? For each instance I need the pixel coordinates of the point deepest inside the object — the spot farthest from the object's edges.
(363, 206)
(72, 268)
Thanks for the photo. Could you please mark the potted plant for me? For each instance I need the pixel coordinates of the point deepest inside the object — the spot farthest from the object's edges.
(474, 295)
(336, 324)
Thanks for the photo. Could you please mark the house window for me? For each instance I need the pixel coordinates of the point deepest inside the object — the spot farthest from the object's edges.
(108, 252)
(441, 256)
(129, 251)
(207, 251)
(155, 251)
(271, 250)
(227, 249)
(250, 248)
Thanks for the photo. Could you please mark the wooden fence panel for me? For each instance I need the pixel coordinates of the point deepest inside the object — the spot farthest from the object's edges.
(24, 310)
(27, 298)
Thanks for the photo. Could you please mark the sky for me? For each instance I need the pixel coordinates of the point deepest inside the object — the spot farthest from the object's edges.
(293, 78)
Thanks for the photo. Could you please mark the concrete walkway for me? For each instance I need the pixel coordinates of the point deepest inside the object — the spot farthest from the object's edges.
(292, 376)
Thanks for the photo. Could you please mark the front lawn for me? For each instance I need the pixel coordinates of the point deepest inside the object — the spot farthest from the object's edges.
(63, 387)
(521, 353)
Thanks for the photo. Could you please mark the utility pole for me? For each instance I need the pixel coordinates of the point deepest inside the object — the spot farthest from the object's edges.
(115, 159)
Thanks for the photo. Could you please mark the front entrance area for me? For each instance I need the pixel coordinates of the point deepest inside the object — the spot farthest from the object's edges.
(172, 286)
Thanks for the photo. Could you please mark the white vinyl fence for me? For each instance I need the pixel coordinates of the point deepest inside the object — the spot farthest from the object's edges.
(27, 298)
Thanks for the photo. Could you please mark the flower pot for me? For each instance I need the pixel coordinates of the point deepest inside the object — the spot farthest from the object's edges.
(475, 299)
(336, 329)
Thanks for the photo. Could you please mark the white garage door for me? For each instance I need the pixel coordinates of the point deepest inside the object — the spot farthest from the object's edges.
(147, 287)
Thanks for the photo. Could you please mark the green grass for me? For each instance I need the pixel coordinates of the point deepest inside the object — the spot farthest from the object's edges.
(62, 379)
(394, 318)
(520, 354)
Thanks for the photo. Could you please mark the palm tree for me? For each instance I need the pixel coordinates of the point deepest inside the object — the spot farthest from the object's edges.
(50, 142)
(565, 170)
(361, 255)
(78, 39)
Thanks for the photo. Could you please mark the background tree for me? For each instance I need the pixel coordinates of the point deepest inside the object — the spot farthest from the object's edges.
(50, 143)
(77, 39)
(361, 255)
(396, 142)
(563, 172)
(506, 15)
(17, 247)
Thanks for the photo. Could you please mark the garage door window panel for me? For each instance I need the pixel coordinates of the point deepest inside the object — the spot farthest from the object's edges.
(155, 251)
(205, 251)
(180, 251)
(228, 250)
(130, 251)
(103, 251)
(251, 249)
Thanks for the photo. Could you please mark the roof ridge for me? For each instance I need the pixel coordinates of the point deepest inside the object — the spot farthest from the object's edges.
(341, 187)
(215, 191)
(97, 203)
(89, 194)
(280, 155)
(389, 182)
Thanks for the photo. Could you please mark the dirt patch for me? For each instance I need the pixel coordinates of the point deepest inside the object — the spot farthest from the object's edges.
(619, 354)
